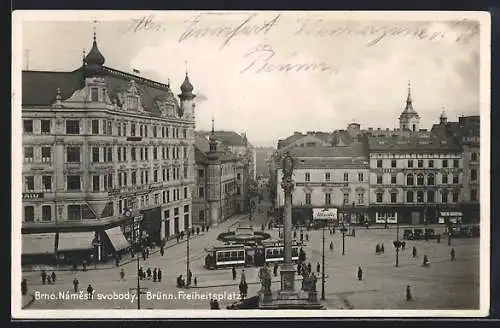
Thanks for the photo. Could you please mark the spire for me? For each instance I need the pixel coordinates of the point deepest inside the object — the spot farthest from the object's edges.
(211, 140)
(409, 105)
(94, 57)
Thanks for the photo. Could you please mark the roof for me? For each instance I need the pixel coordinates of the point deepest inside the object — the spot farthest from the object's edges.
(202, 147)
(337, 163)
(229, 138)
(354, 150)
(420, 142)
(39, 88)
(335, 138)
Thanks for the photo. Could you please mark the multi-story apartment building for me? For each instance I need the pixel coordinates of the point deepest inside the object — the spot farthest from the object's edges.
(329, 177)
(108, 160)
(415, 175)
(467, 133)
(220, 190)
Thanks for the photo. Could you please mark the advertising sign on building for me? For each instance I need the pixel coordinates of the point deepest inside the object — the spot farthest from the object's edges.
(324, 214)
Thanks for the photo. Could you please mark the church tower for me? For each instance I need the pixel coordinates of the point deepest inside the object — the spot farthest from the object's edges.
(409, 118)
(214, 177)
(187, 99)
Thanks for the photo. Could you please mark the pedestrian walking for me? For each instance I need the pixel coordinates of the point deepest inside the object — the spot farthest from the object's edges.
(307, 236)
(147, 252)
(318, 267)
(141, 274)
(331, 245)
(425, 261)
(24, 286)
(360, 273)
(90, 292)
(414, 252)
(159, 275)
(197, 230)
(452, 254)
(44, 276)
(49, 280)
(207, 229)
(177, 237)
(122, 274)
(438, 239)
(275, 270)
(295, 235)
(309, 267)
(234, 273)
(155, 275)
(195, 281)
(382, 248)
(148, 272)
(75, 285)
(162, 250)
(53, 276)
(144, 255)
(403, 245)
(189, 277)
(409, 297)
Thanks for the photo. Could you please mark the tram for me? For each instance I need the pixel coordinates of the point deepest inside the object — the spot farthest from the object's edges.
(226, 255)
(272, 252)
(247, 255)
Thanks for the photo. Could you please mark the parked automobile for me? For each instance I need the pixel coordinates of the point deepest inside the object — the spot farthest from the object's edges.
(418, 234)
(430, 233)
(408, 234)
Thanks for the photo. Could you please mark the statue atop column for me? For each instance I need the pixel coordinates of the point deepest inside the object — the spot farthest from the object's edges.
(287, 166)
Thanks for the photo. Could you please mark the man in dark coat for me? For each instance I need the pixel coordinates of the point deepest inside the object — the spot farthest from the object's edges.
(44, 276)
(234, 273)
(53, 276)
(360, 273)
(159, 275)
(90, 292)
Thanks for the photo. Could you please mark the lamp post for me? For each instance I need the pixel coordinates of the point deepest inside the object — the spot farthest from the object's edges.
(140, 290)
(188, 281)
(397, 243)
(323, 267)
(343, 229)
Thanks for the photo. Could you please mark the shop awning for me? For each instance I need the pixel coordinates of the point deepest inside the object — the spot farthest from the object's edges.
(38, 243)
(72, 241)
(117, 238)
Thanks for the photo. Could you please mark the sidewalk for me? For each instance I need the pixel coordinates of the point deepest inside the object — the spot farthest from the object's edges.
(236, 282)
(27, 300)
(229, 223)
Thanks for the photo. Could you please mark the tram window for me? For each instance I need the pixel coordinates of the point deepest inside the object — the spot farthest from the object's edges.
(269, 252)
(234, 255)
(241, 254)
(219, 256)
(281, 251)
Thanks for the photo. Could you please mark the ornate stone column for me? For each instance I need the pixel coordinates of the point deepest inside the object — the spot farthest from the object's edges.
(288, 270)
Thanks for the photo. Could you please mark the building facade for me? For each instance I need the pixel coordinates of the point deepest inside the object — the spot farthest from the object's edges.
(108, 159)
(221, 183)
(334, 177)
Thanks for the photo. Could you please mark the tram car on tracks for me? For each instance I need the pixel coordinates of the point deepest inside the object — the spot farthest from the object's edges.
(235, 255)
(226, 256)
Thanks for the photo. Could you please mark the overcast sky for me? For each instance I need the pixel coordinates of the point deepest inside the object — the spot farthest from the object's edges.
(343, 69)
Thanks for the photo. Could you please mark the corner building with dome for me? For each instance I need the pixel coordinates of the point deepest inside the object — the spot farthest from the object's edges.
(108, 162)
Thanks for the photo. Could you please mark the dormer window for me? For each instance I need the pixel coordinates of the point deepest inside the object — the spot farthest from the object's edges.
(94, 94)
(132, 102)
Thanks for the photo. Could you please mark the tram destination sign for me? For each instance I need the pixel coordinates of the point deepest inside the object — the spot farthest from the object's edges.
(32, 195)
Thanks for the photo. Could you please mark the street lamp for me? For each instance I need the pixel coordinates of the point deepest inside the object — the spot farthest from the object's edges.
(323, 267)
(397, 243)
(188, 281)
(140, 290)
(343, 230)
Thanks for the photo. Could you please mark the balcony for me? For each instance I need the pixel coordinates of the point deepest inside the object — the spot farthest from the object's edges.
(73, 166)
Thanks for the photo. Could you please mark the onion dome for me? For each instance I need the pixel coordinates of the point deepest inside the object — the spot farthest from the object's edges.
(94, 57)
(186, 86)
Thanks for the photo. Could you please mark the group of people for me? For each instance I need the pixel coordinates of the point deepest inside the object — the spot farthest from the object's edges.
(379, 248)
(192, 232)
(155, 274)
(50, 279)
(181, 283)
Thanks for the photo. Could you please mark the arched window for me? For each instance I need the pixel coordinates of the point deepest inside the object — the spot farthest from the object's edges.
(420, 196)
(430, 179)
(409, 196)
(420, 179)
(409, 180)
